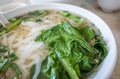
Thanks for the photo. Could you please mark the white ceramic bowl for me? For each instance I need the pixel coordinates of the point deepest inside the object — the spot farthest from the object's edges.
(106, 68)
(3, 2)
(73, 2)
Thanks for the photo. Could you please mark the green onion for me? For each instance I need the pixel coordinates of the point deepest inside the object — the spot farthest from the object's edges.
(6, 61)
(16, 69)
(73, 17)
(38, 20)
(12, 56)
(5, 65)
(3, 48)
(13, 25)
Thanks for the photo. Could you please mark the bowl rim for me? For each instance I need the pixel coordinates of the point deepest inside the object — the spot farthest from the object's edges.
(110, 61)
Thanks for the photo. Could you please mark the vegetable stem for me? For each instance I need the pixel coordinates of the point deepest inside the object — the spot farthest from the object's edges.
(13, 25)
(66, 64)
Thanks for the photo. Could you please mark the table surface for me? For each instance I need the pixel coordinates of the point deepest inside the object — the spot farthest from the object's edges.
(112, 19)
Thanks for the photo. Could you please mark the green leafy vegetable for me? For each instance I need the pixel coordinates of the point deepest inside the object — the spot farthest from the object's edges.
(101, 46)
(87, 32)
(41, 74)
(32, 71)
(70, 53)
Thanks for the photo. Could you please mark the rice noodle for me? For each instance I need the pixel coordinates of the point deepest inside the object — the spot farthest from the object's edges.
(37, 68)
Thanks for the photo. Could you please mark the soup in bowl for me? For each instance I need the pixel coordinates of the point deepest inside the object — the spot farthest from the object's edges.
(51, 44)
